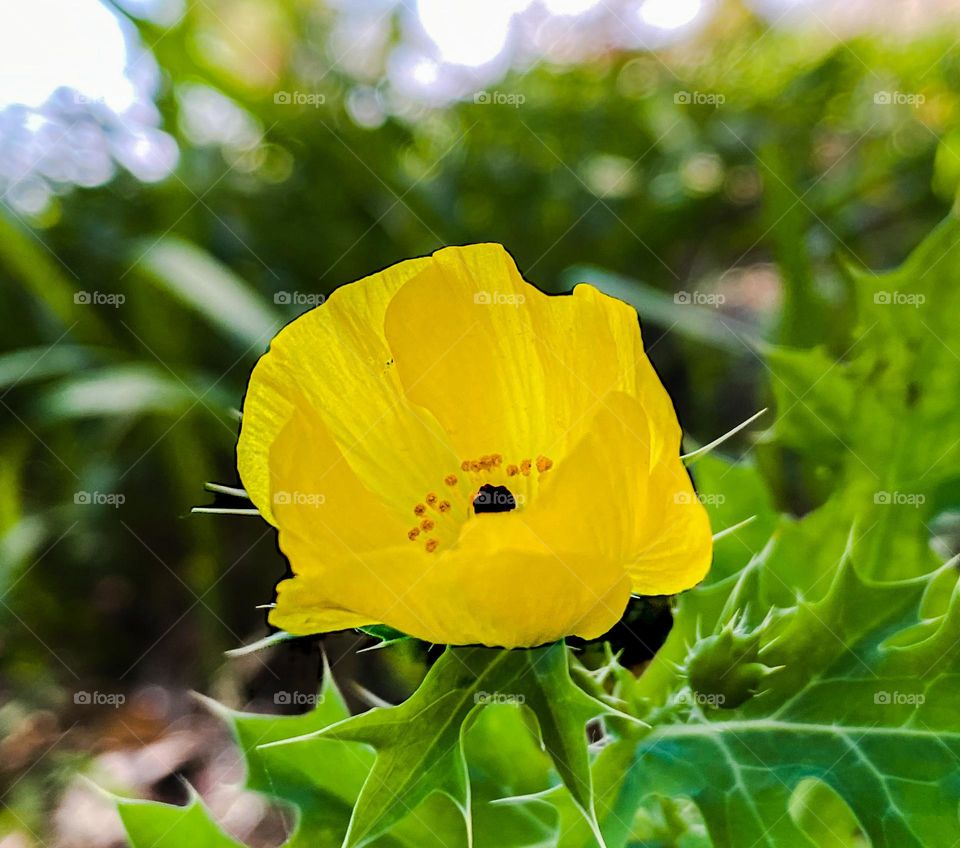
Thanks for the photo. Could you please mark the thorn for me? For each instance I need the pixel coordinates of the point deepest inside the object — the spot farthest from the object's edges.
(223, 510)
(769, 645)
(327, 679)
(260, 644)
(386, 643)
(693, 456)
(226, 490)
(511, 800)
(368, 697)
(212, 705)
(96, 787)
(733, 529)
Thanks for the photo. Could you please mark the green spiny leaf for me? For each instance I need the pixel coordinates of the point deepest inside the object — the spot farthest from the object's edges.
(321, 777)
(841, 669)
(869, 720)
(883, 416)
(420, 747)
(150, 824)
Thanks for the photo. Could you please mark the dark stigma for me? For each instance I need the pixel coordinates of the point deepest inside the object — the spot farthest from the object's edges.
(494, 499)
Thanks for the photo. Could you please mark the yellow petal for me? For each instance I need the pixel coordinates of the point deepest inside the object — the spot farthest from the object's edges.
(317, 496)
(304, 608)
(636, 375)
(493, 597)
(674, 540)
(334, 363)
(502, 366)
(606, 497)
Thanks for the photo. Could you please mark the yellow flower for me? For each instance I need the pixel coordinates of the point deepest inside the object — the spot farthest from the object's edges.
(449, 451)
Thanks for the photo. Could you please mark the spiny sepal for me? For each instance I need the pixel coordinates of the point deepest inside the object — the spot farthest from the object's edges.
(724, 670)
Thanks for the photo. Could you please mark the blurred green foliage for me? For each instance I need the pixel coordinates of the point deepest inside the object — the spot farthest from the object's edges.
(762, 198)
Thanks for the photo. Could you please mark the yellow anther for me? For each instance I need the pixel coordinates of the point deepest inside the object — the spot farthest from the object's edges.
(525, 467)
(512, 471)
(431, 545)
(444, 506)
(544, 463)
(431, 499)
(412, 534)
(475, 465)
(491, 460)
(419, 509)
(465, 465)
(427, 525)
(450, 479)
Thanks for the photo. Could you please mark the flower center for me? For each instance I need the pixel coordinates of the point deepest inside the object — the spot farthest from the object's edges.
(494, 499)
(480, 488)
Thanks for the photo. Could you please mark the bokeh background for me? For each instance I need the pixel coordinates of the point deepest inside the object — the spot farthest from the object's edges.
(178, 179)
